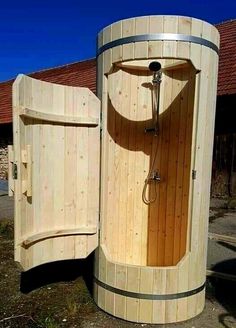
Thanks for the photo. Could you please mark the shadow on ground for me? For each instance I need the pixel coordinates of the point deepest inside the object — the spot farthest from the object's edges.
(61, 271)
(224, 291)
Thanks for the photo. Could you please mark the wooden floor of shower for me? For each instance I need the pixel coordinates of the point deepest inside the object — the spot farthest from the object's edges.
(133, 232)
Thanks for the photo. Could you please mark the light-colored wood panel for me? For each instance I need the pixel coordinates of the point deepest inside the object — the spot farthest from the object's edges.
(132, 304)
(46, 185)
(128, 29)
(146, 287)
(111, 280)
(170, 25)
(183, 138)
(141, 27)
(26, 112)
(121, 283)
(57, 233)
(184, 27)
(116, 33)
(124, 170)
(172, 165)
(133, 113)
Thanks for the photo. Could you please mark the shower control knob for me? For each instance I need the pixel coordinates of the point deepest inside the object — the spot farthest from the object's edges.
(155, 176)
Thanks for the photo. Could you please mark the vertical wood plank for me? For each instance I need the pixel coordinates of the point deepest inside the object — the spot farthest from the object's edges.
(132, 304)
(156, 25)
(116, 33)
(146, 287)
(121, 283)
(141, 27)
(128, 29)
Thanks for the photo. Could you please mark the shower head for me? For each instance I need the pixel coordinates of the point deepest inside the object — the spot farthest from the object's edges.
(155, 66)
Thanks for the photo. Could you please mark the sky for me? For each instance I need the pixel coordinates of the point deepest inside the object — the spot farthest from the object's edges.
(36, 35)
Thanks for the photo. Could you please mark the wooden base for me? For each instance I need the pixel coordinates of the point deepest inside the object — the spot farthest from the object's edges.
(146, 294)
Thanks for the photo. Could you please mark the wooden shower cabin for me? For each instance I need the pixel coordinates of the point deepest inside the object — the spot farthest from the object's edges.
(151, 262)
(154, 173)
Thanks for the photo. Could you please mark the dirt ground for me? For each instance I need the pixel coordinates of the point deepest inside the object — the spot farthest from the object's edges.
(56, 295)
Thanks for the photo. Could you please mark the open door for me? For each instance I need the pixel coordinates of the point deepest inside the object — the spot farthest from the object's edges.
(54, 171)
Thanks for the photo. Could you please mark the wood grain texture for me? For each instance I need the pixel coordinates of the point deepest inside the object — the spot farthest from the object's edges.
(159, 248)
(57, 188)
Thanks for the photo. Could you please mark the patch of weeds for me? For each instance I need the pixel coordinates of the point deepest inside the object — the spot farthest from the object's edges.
(47, 322)
(7, 228)
(72, 306)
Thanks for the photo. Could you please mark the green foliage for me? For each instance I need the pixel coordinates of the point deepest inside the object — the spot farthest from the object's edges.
(48, 322)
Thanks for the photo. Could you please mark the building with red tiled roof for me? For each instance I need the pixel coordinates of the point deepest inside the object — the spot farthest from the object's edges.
(84, 74)
(80, 74)
(227, 58)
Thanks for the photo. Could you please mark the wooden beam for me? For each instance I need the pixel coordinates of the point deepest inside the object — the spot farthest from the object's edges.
(215, 236)
(221, 275)
(57, 233)
(55, 118)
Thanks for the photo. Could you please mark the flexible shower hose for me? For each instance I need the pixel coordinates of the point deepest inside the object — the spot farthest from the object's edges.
(145, 199)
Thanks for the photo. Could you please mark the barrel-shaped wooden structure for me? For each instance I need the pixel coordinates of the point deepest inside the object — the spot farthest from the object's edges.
(150, 265)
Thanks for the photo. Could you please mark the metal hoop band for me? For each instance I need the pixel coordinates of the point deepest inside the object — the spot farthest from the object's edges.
(158, 37)
(149, 296)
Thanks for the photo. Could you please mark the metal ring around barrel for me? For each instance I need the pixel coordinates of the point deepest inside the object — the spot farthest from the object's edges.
(159, 37)
(153, 297)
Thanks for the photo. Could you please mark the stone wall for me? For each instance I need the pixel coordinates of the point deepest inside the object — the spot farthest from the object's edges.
(4, 158)
(5, 140)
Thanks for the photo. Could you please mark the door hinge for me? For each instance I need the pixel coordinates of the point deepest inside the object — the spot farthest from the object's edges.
(194, 174)
(14, 171)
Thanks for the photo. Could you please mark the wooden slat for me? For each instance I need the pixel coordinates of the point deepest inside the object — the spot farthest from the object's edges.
(128, 29)
(184, 27)
(141, 27)
(172, 165)
(221, 275)
(146, 287)
(130, 224)
(123, 172)
(111, 280)
(57, 233)
(29, 171)
(165, 118)
(121, 283)
(132, 304)
(107, 56)
(155, 48)
(88, 121)
(116, 33)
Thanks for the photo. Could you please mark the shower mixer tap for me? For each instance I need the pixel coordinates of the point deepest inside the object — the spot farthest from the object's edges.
(154, 176)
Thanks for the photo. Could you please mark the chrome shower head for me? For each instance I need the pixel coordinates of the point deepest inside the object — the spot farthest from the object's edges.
(154, 66)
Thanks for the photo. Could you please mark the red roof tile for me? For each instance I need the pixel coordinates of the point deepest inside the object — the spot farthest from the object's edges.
(80, 74)
(83, 74)
(227, 59)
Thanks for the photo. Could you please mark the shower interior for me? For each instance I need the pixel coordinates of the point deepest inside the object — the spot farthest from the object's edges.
(146, 200)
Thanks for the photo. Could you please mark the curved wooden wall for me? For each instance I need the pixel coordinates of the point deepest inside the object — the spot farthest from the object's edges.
(160, 249)
(56, 150)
